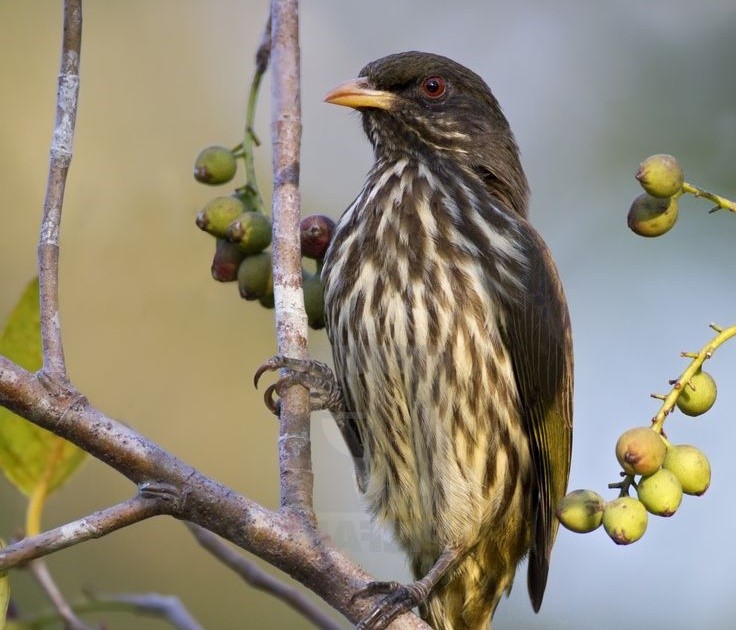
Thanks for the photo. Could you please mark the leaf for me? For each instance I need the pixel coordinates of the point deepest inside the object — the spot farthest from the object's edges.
(32, 458)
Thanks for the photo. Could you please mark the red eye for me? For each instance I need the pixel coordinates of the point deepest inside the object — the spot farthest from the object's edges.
(434, 87)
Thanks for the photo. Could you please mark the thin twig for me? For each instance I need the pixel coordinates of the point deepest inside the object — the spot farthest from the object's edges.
(166, 607)
(54, 365)
(291, 320)
(41, 572)
(256, 577)
(93, 526)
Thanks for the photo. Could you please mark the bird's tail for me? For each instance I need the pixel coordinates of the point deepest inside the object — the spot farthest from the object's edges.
(467, 600)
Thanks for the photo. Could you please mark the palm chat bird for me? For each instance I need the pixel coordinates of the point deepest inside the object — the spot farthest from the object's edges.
(451, 343)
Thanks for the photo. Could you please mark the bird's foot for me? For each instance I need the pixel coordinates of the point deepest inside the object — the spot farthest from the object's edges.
(399, 599)
(317, 377)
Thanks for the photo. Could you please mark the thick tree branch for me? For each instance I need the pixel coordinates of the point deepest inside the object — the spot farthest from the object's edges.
(60, 158)
(291, 320)
(256, 577)
(280, 539)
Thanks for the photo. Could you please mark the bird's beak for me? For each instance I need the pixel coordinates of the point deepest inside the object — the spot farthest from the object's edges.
(358, 93)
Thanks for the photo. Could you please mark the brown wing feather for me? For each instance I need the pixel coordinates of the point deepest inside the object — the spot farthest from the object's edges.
(540, 344)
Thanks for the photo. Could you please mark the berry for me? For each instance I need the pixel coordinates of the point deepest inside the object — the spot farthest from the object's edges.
(252, 232)
(640, 451)
(660, 175)
(698, 395)
(661, 493)
(226, 260)
(255, 279)
(315, 232)
(691, 466)
(581, 510)
(652, 216)
(625, 520)
(215, 218)
(215, 165)
(314, 303)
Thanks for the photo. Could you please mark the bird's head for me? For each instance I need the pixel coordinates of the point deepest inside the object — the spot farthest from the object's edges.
(431, 108)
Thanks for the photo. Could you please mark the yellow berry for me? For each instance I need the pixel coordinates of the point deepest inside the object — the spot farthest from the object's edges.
(652, 216)
(691, 466)
(698, 395)
(660, 175)
(640, 451)
(661, 493)
(581, 510)
(625, 520)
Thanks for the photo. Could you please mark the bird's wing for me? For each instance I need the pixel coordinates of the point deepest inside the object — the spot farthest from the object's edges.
(540, 345)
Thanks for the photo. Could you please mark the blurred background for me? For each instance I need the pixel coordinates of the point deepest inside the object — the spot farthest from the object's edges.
(590, 89)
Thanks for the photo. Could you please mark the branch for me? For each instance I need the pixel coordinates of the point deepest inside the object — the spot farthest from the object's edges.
(61, 156)
(93, 526)
(256, 577)
(41, 572)
(146, 604)
(280, 539)
(167, 607)
(291, 320)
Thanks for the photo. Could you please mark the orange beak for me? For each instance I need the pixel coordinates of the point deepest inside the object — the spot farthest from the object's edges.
(358, 93)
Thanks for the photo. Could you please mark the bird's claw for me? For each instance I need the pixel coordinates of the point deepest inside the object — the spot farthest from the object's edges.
(399, 599)
(316, 376)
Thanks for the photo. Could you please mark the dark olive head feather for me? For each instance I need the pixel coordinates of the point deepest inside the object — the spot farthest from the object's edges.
(444, 109)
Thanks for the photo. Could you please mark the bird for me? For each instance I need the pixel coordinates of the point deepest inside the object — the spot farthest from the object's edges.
(451, 342)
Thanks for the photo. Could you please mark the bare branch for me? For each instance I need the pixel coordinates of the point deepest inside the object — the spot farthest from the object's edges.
(95, 525)
(291, 320)
(61, 156)
(41, 572)
(280, 539)
(256, 577)
(167, 607)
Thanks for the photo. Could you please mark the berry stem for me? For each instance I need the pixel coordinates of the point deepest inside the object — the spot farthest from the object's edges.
(250, 140)
(724, 334)
(721, 202)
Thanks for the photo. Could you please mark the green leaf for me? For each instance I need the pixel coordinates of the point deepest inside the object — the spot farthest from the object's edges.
(31, 457)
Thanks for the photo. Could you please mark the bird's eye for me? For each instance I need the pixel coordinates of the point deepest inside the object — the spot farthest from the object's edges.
(434, 86)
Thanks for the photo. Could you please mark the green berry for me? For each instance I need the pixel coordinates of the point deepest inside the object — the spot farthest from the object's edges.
(697, 395)
(215, 218)
(660, 175)
(581, 510)
(255, 279)
(661, 493)
(252, 232)
(652, 216)
(314, 303)
(640, 451)
(691, 466)
(215, 165)
(625, 520)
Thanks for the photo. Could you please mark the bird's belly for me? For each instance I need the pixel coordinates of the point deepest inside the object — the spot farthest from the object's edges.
(437, 403)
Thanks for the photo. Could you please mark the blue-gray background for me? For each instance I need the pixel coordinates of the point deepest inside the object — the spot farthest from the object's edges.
(590, 88)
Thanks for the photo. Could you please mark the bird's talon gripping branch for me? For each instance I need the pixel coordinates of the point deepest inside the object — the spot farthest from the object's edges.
(399, 599)
(317, 377)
